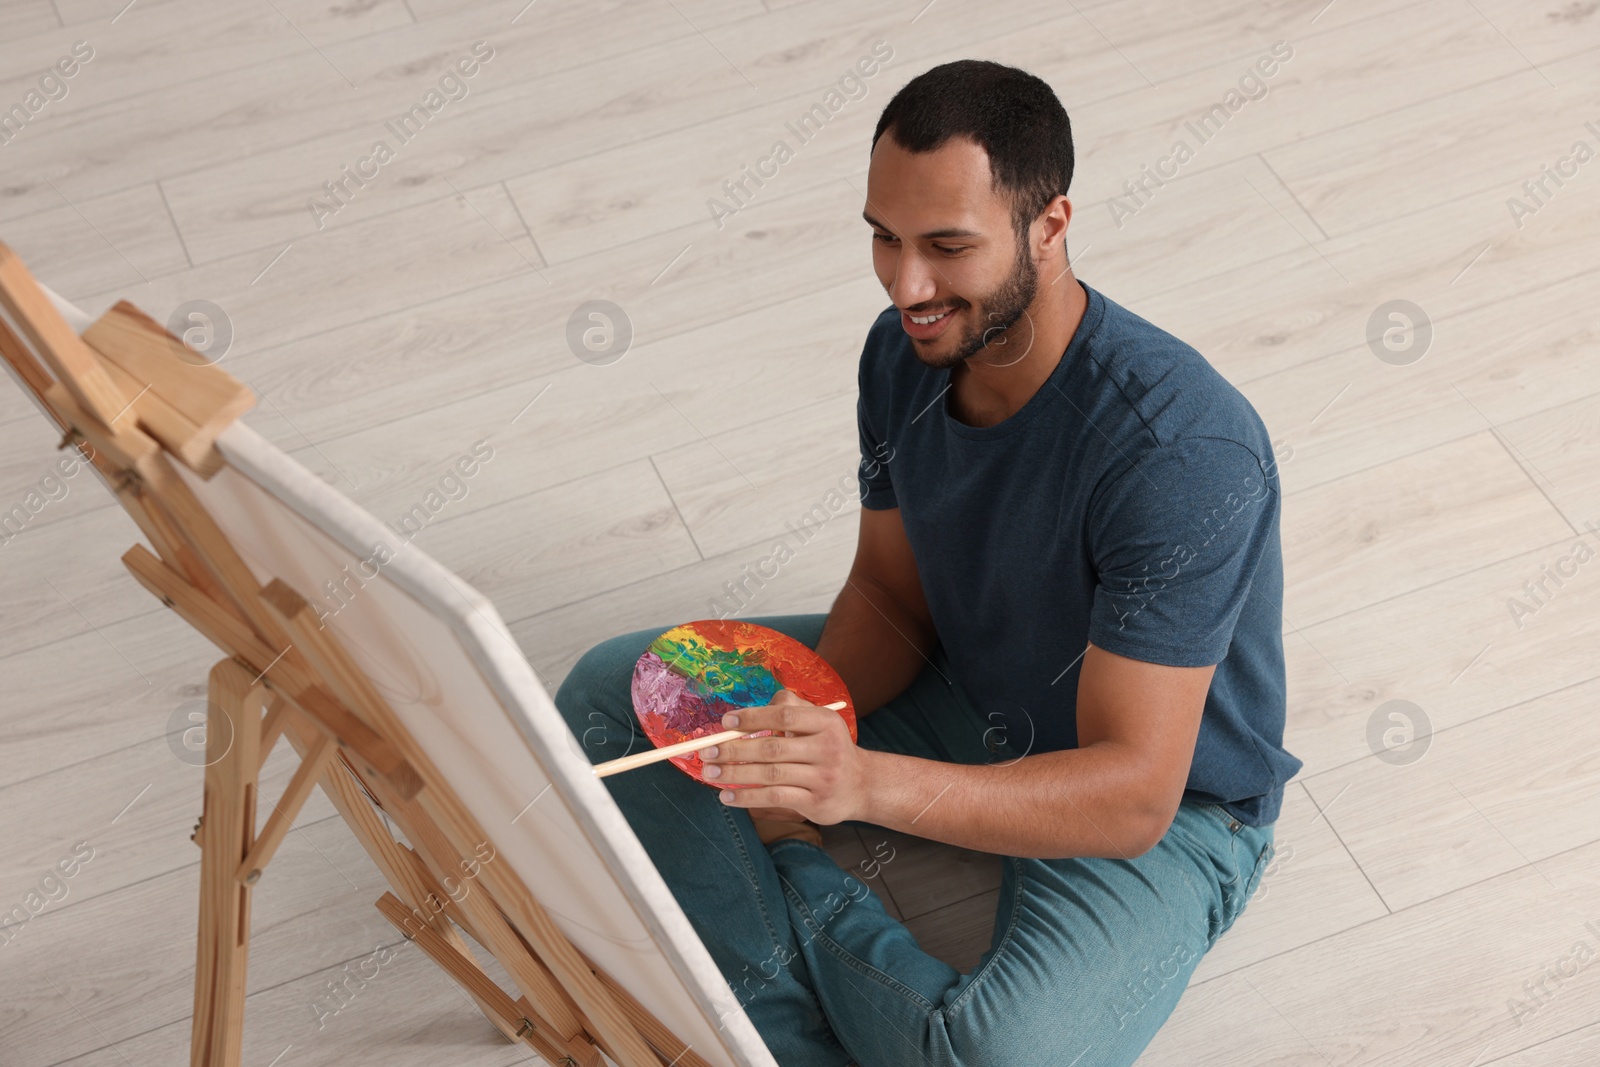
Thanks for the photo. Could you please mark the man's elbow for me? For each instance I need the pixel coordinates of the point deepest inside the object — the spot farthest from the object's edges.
(1130, 838)
(1145, 833)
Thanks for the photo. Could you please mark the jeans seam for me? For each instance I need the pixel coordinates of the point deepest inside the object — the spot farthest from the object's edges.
(1263, 859)
(962, 998)
(1251, 883)
(754, 876)
(866, 970)
(1228, 887)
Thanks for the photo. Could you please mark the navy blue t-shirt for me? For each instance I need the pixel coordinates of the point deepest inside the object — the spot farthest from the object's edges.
(1132, 502)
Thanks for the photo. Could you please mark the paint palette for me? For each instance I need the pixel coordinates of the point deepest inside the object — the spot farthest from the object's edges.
(695, 673)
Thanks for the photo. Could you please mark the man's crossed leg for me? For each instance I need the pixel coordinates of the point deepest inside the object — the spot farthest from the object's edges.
(1088, 956)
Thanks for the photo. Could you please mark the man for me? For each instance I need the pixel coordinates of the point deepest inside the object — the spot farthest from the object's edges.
(1062, 630)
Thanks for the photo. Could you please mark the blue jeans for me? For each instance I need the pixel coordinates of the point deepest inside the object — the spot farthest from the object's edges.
(1088, 956)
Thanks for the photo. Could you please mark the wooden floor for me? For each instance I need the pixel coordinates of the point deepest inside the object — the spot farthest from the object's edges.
(1422, 911)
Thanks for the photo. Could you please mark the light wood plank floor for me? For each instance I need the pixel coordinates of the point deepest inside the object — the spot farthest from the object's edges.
(1412, 908)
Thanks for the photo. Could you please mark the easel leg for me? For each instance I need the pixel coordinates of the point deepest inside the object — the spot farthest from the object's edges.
(233, 734)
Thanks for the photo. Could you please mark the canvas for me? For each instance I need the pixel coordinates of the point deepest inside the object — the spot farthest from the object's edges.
(438, 652)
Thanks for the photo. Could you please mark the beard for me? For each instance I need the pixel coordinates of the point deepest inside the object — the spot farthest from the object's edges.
(999, 311)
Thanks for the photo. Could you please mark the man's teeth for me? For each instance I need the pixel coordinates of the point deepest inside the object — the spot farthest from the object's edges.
(928, 318)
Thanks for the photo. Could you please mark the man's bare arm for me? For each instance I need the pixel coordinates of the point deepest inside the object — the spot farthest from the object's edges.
(1115, 795)
(879, 633)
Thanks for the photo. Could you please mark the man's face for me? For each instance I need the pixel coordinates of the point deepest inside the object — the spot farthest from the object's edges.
(943, 242)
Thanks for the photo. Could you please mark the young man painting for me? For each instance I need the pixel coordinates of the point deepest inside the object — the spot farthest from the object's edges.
(1062, 631)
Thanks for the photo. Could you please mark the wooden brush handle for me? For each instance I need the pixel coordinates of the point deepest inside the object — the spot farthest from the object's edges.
(694, 744)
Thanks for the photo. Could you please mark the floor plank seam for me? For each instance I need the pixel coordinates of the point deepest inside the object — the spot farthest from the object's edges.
(676, 510)
(1397, 912)
(1523, 464)
(177, 231)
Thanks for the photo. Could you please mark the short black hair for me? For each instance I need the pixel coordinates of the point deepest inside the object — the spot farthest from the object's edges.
(1013, 115)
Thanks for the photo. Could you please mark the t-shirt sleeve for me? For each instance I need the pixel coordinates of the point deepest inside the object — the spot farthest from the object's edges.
(877, 490)
(1175, 540)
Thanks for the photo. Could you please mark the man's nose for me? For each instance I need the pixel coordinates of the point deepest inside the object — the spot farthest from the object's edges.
(915, 280)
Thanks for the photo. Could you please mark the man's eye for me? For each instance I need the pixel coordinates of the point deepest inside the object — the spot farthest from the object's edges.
(889, 238)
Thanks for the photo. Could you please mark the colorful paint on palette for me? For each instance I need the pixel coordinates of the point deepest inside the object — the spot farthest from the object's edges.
(695, 673)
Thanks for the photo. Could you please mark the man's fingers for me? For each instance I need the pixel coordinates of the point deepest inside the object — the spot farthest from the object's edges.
(765, 774)
(782, 796)
(790, 718)
(769, 749)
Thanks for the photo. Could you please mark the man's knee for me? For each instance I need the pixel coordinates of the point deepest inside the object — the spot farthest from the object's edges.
(601, 681)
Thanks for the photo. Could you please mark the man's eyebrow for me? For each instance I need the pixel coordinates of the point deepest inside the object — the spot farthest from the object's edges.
(931, 235)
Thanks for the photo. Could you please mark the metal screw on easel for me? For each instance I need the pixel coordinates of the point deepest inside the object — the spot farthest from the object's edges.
(526, 1028)
(73, 439)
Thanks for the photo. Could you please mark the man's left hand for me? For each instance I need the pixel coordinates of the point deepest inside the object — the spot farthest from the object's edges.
(808, 764)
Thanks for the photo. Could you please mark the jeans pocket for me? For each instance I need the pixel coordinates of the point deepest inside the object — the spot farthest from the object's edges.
(1262, 862)
(1250, 865)
(1220, 813)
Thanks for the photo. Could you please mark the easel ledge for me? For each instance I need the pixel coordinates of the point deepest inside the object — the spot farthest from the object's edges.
(140, 399)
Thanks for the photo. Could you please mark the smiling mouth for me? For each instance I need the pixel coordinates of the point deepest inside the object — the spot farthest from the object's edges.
(924, 320)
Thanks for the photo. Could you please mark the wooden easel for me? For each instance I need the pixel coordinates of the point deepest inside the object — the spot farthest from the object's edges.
(133, 398)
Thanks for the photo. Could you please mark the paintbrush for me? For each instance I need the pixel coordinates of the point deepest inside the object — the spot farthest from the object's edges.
(694, 744)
